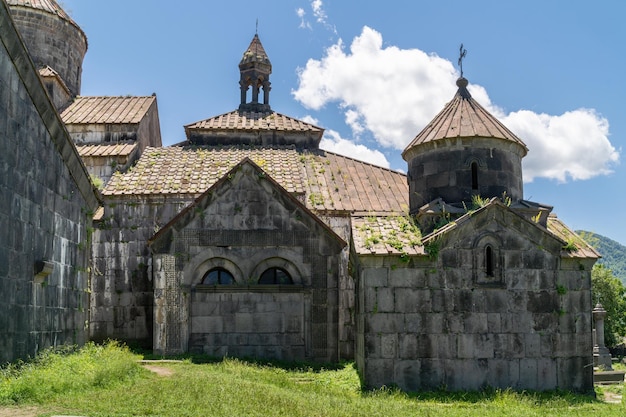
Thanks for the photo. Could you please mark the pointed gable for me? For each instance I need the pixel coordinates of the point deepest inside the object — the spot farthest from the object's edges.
(247, 198)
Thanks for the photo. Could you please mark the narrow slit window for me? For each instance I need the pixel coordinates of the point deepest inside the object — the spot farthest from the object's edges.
(489, 261)
(474, 176)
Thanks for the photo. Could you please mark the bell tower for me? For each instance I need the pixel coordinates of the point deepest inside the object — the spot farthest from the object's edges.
(255, 69)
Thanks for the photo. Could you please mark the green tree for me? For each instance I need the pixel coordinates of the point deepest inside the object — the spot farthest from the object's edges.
(610, 292)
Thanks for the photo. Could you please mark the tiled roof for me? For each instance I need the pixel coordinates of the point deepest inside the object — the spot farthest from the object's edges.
(329, 182)
(463, 117)
(385, 235)
(576, 246)
(336, 182)
(255, 53)
(253, 121)
(190, 170)
(103, 150)
(50, 6)
(111, 110)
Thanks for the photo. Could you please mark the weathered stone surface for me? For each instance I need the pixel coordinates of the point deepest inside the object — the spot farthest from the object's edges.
(46, 195)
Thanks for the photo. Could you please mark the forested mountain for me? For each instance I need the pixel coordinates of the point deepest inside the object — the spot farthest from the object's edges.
(613, 253)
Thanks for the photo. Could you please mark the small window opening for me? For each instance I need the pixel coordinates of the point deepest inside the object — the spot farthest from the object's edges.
(489, 261)
(474, 176)
(275, 276)
(218, 276)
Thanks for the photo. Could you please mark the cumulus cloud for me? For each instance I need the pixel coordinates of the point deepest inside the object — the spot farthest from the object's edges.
(333, 142)
(573, 145)
(392, 93)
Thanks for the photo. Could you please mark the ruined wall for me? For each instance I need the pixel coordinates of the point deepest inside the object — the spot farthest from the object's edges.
(121, 276)
(45, 206)
(437, 323)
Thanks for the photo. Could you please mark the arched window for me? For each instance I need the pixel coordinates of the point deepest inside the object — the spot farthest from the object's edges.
(275, 276)
(218, 276)
(474, 167)
(489, 261)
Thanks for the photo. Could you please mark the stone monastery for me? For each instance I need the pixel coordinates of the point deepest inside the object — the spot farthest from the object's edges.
(247, 239)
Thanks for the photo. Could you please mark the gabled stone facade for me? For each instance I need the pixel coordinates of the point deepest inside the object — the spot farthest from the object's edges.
(498, 303)
(247, 224)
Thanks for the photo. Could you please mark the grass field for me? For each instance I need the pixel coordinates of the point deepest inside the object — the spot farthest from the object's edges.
(108, 381)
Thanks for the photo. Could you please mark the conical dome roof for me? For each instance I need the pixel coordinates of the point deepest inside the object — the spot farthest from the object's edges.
(50, 6)
(463, 117)
(255, 54)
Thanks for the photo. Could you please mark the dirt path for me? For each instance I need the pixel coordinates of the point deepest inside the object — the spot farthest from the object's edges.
(19, 412)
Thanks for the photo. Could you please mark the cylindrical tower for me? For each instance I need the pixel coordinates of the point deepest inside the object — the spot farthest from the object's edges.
(52, 38)
(464, 151)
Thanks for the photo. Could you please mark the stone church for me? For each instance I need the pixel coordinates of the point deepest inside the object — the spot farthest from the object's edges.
(246, 239)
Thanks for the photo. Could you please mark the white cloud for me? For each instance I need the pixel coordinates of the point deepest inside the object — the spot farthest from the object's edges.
(303, 23)
(333, 142)
(574, 145)
(318, 11)
(393, 93)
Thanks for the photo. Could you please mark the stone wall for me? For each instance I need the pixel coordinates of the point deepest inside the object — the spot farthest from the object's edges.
(46, 202)
(53, 41)
(433, 323)
(254, 323)
(121, 274)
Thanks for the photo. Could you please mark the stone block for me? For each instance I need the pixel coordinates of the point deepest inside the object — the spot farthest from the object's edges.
(546, 374)
(528, 369)
(375, 277)
(412, 322)
(385, 300)
(532, 345)
(207, 324)
(503, 373)
(494, 323)
(244, 323)
(475, 323)
(412, 301)
(384, 323)
(407, 375)
(508, 345)
(407, 278)
(433, 323)
(388, 345)
(378, 373)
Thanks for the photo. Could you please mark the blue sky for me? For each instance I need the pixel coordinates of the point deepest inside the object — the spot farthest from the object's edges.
(374, 73)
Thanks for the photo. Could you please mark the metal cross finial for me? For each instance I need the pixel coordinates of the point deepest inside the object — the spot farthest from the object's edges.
(462, 53)
(257, 26)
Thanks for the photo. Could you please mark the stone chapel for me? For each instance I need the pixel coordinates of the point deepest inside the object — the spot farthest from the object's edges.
(246, 239)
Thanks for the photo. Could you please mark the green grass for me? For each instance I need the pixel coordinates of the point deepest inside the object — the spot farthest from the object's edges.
(100, 381)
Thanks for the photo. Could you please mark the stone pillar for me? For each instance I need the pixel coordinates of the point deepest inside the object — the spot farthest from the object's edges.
(601, 355)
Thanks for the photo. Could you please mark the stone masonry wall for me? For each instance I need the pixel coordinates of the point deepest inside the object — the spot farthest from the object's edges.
(429, 324)
(259, 324)
(121, 279)
(53, 41)
(44, 216)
